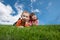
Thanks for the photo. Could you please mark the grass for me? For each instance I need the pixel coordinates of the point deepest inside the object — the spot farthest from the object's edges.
(41, 32)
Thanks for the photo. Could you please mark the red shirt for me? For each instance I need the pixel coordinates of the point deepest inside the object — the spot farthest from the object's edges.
(34, 22)
(19, 23)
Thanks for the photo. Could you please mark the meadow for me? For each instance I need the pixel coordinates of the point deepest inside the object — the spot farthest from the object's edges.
(41, 32)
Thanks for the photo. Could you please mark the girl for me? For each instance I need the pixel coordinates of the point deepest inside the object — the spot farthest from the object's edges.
(33, 19)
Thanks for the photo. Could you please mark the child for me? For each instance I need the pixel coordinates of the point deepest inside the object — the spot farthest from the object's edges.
(33, 19)
(24, 21)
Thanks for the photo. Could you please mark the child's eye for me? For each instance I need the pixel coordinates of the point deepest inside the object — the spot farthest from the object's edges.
(23, 15)
(26, 16)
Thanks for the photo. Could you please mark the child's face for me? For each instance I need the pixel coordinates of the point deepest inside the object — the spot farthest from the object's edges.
(34, 17)
(25, 16)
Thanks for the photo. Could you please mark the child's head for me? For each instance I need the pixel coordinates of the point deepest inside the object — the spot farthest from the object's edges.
(25, 15)
(33, 16)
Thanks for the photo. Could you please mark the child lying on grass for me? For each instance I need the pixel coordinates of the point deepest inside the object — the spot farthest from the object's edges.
(27, 20)
(24, 20)
(33, 19)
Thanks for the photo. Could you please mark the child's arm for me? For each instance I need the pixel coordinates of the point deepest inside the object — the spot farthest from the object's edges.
(18, 23)
(36, 22)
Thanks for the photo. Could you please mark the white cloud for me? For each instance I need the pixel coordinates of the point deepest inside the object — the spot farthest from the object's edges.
(33, 0)
(19, 8)
(5, 11)
(36, 10)
(49, 5)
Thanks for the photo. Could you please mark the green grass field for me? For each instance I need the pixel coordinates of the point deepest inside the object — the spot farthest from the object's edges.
(42, 32)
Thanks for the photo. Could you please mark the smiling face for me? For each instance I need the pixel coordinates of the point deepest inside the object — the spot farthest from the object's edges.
(34, 17)
(25, 15)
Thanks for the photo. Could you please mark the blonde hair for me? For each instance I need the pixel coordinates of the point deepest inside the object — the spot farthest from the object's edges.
(25, 12)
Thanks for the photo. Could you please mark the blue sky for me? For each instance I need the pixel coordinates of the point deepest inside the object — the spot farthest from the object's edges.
(47, 11)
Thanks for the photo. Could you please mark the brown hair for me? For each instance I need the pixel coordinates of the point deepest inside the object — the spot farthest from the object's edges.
(25, 12)
(32, 15)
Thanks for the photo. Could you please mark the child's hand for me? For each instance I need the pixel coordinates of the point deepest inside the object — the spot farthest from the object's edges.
(21, 27)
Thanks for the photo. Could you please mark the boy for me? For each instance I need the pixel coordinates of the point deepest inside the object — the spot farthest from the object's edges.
(24, 21)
